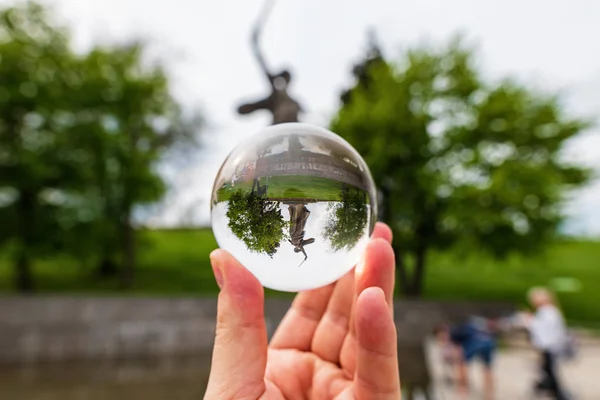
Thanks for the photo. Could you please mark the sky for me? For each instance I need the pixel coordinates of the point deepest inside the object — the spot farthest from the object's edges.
(206, 46)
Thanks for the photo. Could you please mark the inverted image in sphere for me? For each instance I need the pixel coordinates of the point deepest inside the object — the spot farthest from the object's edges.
(295, 204)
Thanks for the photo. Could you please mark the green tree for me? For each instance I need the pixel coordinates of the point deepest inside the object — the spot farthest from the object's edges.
(81, 136)
(139, 124)
(41, 169)
(256, 221)
(348, 221)
(457, 159)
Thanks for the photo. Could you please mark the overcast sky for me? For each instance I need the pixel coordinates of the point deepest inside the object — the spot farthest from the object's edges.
(550, 43)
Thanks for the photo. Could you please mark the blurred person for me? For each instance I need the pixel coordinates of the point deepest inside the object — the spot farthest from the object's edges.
(450, 353)
(474, 340)
(338, 341)
(548, 334)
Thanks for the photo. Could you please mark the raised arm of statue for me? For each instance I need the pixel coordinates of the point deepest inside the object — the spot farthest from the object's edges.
(308, 241)
(255, 41)
(248, 108)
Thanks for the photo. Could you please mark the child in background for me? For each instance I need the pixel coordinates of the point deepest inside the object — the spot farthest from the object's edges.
(451, 354)
(466, 342)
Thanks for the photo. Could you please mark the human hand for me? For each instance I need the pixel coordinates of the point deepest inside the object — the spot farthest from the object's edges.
(336, 342)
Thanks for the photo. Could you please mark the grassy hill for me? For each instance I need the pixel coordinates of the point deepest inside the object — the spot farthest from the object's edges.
(175, 262)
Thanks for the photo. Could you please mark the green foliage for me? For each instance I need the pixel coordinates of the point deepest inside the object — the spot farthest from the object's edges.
(256, 221)
(349, 219)
(478, 277)
(40, 171)
(136, 121)
(80, 139)
(459, 161)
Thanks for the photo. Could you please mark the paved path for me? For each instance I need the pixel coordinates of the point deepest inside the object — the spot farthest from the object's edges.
(515, 372)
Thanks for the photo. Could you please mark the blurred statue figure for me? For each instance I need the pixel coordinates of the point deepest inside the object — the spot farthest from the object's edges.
(258, 189)
(281, 105)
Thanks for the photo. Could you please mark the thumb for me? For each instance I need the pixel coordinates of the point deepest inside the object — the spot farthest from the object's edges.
(240, 351)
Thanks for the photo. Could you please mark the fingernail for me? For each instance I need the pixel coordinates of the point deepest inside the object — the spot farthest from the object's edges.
(378, 293)
(216, 267)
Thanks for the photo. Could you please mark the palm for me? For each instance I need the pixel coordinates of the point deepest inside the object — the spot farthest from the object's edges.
(315, 348)
(304, 374)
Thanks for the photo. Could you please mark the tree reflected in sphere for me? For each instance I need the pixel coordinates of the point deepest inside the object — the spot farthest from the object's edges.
(256, 221)
(348, 219)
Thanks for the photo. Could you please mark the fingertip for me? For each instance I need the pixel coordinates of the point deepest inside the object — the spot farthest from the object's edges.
(377, 373)
(371, 297)
(377, 269)
(378, 254)
(234, 277)
(371, 312)
(381, 244)
(218, 256)
(382, 231)
(375, 326)
(216, 262)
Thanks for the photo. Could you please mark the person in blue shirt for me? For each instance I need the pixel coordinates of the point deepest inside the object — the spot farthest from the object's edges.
(473, 340)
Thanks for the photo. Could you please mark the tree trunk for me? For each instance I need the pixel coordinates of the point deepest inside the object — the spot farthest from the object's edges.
(128, 272)
(23, 276)
(418, 273)
(107, 267)
(128, 233)
(403, 280)
(385, 212)
(26, 221)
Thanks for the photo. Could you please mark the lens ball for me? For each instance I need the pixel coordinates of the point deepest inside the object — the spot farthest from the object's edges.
(295, 204)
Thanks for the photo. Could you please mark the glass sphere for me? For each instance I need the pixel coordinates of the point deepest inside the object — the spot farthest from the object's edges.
(295, 204)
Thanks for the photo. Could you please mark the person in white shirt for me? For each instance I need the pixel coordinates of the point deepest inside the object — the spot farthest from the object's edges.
(549, 336)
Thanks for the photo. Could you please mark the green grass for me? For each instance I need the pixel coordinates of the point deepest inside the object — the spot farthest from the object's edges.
(175, 262)
(292, 186)
(479, 278)
(170, 262)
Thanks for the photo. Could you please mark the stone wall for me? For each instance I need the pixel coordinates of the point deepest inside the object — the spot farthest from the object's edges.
(40, 329)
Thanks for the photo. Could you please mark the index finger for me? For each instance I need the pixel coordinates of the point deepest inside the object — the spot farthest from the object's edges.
(377, 374)
(376, 270)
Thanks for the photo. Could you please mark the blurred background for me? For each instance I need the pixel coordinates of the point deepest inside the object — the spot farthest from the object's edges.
(478, 121)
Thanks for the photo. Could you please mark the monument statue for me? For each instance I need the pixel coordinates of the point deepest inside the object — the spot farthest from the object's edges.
(281, 105)
(298, 216)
